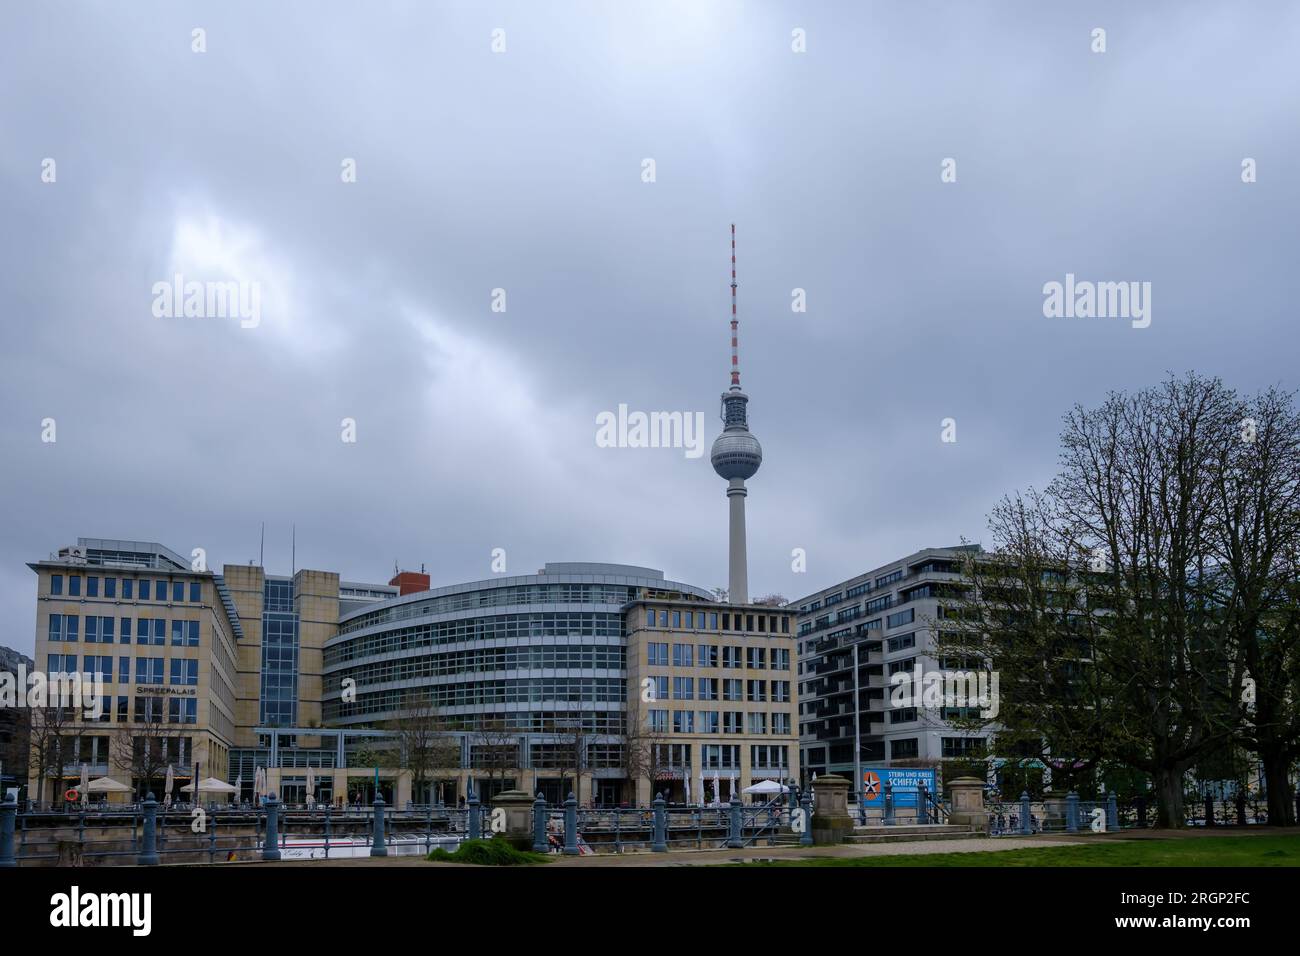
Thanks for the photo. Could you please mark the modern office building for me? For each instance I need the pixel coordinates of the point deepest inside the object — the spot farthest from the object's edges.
(163, 638)
(891, 616)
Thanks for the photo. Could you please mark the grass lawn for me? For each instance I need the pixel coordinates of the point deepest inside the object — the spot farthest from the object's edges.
(1192, 851)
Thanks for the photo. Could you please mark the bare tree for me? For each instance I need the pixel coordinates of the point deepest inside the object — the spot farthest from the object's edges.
(495, 750)
(145, 750)
(424, 743)
(644, 752)
(1255, 543)
(50, 737)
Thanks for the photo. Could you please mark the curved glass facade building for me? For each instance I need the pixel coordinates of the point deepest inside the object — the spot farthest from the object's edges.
(542, 655)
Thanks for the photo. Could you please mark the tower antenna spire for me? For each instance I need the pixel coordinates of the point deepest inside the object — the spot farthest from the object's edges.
(735, 323)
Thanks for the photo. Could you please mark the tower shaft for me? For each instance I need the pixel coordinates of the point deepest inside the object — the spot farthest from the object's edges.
(737, 560)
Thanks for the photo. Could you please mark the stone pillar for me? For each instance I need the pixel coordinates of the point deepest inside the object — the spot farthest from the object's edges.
(517, 807)
(831, 822)
(967, 797)
(148, 855)
(8, 813)
(378, 845)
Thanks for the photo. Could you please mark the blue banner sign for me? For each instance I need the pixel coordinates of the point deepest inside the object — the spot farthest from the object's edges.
(903, 782)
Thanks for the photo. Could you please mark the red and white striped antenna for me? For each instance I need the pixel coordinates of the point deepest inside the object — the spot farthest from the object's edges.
(735, 357)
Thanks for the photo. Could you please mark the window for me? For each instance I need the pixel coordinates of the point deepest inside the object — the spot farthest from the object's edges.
(683, 655)
(128, 585)
(749, 622)
(92, 586)
(95, 664)
(785, 624)
(781, 691)
(713, 620)
(659, 721)
(780, 658)
(732, 689)
(677, 619)
(780, 723)
(160, 590)
(902, 642)
(708, 655)
(907, 666)
(92, 629)
(756, 658)
(732, 722)
(757, 691)
(71, 625)
(123, 671)
(184, 672)
(649, 617)
(110, 587)
(757, 722)
(148, 709)
(56, 584)
(902, 617)
(178, 591)
(659, 688)
(182, 710)
(731, 657)
(684, 721)
(683, 688)
(56, 627)
(159, 631)
(144, 589)
(902, 715)
(148, 670)
(657, 654)
(708, 721)
(61, 664)
(74, 586)
(903, 749)
(958, 747)
(106, 625)
(122, 713)
(708, 688)
(663, 618)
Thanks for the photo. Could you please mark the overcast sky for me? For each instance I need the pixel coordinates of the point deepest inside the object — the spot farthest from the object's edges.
(522, 170)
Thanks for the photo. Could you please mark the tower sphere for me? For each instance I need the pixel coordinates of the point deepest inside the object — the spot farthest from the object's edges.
(736, 454)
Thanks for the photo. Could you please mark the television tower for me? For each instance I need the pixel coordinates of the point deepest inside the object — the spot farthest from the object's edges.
(736, 456)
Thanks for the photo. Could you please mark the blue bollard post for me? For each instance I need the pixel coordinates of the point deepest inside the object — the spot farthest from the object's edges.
(889, 804)
(735, 827)
(540, 844)
(8, 813)
(805, 838)
(149, 844)
(922, 804)
(571, 825)
(474, 825)
(1112, 812)
(659, 837)
(1026, 827)
(378, 846)
(271, 843)
(1072, 812)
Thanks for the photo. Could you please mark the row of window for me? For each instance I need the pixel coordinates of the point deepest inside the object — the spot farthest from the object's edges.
(713, 722)
(130, 589)
(707, 655)
(733, 689)
(105, 630)
(709, 621)
(492, 660)
(722, 756)
(184, 671)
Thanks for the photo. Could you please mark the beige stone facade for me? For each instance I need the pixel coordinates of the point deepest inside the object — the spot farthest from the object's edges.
(711, 690)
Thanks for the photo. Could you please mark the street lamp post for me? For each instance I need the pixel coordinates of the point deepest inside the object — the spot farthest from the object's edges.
(857, 734)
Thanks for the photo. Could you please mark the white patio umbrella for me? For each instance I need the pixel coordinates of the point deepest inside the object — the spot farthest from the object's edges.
(717, 788)
(106, 785)
(767, 787)
(167, 786)
(259, 785)
(239, 786)
(311, 787)
(210, 785)
(85, 783)
(699, 784)
(686, 781)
